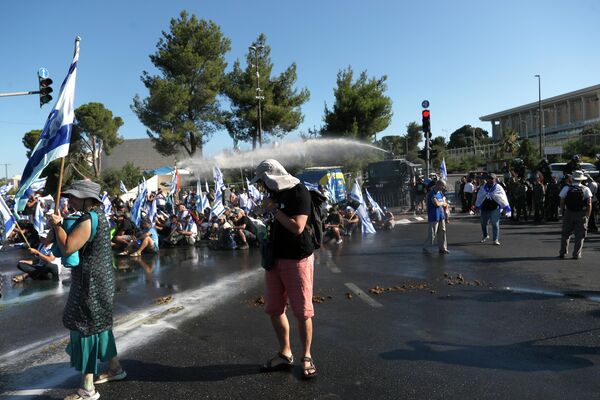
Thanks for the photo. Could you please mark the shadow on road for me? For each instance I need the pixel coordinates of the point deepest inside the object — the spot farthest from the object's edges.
(526, 356)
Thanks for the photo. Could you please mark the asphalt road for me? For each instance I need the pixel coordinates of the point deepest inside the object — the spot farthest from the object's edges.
(484, 322)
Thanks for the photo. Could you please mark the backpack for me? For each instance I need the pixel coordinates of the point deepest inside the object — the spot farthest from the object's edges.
(316, 217)
(574, 200)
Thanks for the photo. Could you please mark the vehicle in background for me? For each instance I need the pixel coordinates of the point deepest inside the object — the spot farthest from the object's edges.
(559, 168)
(389, 181)
(322, 176)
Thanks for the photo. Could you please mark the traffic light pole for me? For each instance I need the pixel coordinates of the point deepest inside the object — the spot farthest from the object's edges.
(427, 153)
(19, 93)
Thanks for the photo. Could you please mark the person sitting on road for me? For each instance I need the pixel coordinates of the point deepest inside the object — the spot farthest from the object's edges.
(350, 221)
(333, 226)
(388, 221)
(44, 266)
(125, 232)
(375, 217)
(243, 228)
(185, 231)
(146, 241)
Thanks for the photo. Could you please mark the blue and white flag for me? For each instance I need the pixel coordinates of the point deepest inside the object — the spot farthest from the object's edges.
(207, 188)
(218, 178)
(217, 208)
(8, 218)
(330, 188)
(56, 135)
(174, 178)
(311, 186)
(374, 204)
(361, 211)
(443, 170)
(152, 212)
(5, 189)
(122, 187)
(39, 223)
(254, 193)
(106, 204)
(136, 210)
(202, 202)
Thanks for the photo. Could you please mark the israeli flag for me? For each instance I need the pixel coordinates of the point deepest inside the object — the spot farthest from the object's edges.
(330, 188)
(253, 191)
(152, 212)
(106, 204)
(218, 178)
(201, 199)
(7, 217)
(367, 225)
(136, 210)
(207, 188)
(174, 180)
(311, 186)
(122, 187)
(443, 170)
(217, 208)
(56, 135)
(37, 186)
(5, 189)
(374, 204)
(39, 222)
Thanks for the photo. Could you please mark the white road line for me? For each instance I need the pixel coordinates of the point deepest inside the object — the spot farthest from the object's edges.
(419, 218)
(403, 221)
(363, 296)
(333, 267)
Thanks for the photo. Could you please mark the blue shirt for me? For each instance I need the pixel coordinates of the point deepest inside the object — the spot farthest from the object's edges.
(435, 213)
(153, 235)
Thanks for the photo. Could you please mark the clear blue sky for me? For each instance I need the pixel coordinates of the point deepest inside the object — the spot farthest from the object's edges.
(468, 58)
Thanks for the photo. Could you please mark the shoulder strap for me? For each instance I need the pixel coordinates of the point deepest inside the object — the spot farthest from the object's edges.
(94, 220)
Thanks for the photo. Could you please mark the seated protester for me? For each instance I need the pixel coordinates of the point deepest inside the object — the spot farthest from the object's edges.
(350, 221)
(225, 234)
(118, 203)
(44, 266)
(167, 229)
(375, 217)
(333, 226)
(147, 241)
(125, 232)
(186, 232)
(243, 228)
(388, 221)
(161, 200)
(182, 212)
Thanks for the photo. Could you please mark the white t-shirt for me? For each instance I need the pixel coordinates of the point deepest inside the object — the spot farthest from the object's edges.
(469, 188)
(587, 194)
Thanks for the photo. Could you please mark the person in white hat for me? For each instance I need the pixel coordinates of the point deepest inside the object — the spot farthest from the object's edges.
(576, 206)
(291, 272)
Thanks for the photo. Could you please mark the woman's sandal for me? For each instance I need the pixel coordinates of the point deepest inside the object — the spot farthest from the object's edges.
(306, 374)
(278, 363)
(110, 376)
(83, 394)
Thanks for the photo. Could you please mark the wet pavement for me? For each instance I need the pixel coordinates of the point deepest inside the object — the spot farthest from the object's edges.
(483, 322)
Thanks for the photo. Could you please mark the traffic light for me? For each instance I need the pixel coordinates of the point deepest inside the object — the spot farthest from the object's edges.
(426, 124)
(45, 88)
(433, 154)
(423, 154)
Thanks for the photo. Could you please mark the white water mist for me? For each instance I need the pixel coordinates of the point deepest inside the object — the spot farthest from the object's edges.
(289, 154)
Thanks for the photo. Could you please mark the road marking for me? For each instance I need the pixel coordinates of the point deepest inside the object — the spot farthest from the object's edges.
(419, 218)
(403, 221)
(332, 267)
(363, 296)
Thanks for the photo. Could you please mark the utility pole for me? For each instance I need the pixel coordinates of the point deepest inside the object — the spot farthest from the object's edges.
(540, 115)
(6, 170)
(258, 97)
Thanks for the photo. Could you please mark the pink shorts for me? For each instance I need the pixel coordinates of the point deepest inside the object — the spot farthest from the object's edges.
(291, 279)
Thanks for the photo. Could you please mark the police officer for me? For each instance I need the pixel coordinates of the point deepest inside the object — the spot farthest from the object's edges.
(538, 199)
(573, 165)
(545, 171)
(552, 200)
(576, 205)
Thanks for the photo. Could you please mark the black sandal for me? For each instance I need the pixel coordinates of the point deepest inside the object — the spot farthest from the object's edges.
(278, 363)
(311, 366)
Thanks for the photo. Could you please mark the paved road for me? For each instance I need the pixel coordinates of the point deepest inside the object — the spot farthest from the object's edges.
(484, 322)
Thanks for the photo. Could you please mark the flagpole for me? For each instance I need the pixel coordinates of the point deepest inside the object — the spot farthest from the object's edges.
(21, 232)
(60, 179)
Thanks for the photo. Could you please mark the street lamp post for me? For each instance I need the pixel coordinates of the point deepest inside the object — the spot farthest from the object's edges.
(540, 115)
(258, 97)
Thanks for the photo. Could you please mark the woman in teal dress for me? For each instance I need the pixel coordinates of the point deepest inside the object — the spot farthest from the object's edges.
(89, 310)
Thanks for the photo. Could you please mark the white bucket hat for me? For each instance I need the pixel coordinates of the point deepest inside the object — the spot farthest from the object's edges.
(579, 176)
(275, 177)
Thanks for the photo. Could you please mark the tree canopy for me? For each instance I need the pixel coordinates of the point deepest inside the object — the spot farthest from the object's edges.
(463, 137)
(361, 108)
(280, 101)
(95, 130)
(183, 109)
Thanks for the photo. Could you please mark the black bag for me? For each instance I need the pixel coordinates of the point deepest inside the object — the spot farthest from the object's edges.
(574, 200)
(267, 250)
(316, 217)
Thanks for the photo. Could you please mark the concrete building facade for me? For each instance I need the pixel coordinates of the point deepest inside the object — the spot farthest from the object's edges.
(562, 116)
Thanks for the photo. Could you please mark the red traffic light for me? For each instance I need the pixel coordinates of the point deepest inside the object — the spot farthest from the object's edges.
(425, 113)
(45, 82)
